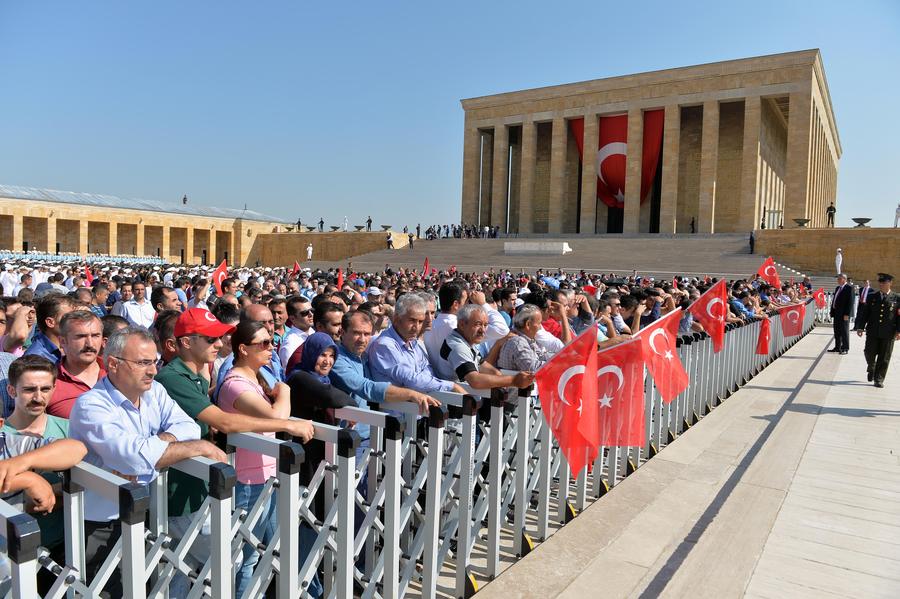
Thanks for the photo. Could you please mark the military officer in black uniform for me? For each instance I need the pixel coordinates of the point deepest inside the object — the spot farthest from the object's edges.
(879, 318)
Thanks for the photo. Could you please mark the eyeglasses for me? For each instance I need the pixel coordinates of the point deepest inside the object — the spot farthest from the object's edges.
(264, 344)
(305, 313)
(145, 364)
(209, 340)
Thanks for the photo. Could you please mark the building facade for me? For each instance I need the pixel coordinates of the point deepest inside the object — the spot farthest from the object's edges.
(60, 222)
(723, 147)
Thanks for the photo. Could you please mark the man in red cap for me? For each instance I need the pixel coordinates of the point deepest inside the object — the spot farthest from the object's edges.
(198, 336)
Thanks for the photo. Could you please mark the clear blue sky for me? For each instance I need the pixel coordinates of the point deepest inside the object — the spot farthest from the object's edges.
(303, 109)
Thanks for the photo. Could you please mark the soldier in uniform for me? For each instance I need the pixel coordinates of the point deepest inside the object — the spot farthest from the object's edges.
(879, 318)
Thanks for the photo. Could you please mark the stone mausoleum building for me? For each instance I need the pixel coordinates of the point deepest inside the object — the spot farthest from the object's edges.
(723, 147)
(65, 222)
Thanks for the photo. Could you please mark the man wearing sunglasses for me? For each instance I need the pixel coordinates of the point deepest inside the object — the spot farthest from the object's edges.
(300, 315)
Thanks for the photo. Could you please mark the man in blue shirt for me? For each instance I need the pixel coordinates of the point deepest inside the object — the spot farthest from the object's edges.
(396, 356)
(351, 375)
(48, 314)
(132, 428)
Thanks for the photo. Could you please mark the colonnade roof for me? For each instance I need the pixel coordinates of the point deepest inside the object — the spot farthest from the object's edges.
(107, 201)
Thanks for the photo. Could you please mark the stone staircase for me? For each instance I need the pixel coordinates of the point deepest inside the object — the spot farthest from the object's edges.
(659, 256)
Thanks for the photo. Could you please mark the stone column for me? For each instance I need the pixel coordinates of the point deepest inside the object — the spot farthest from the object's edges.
(748, 210)
(709, 160)
(51, 234)
(83, 247)
(526, 174)
(139, 240)
(165, 250)
(189, 257)
(211, 250)
(471, 159)
(798, 141)
(668, 198)
(18, 232)
(633, 160)
(113, 240)
(487, 177)
(557, 175)
(588, 216)
(500, 182)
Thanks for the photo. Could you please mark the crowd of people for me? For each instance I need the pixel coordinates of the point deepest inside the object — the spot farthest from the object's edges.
(134, 367)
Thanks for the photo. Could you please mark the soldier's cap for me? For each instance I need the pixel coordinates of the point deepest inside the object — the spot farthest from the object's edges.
(884, 277)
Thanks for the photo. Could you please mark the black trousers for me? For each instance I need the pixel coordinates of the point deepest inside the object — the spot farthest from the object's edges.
(100, 541)
(841, 333)
(878, 355)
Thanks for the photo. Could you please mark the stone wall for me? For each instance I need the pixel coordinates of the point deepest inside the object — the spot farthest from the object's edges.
(95, 229)
(280, 249)
(867, 251)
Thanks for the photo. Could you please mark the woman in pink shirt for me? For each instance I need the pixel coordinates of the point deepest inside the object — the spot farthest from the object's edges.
(243, 392)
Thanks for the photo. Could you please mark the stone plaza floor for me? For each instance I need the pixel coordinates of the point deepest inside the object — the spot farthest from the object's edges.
(790, 488)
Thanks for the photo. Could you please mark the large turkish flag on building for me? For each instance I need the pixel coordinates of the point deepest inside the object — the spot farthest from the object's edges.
(662, 359)
(769, 274)
(567, 386)
(620, 381)
(612, 148)
(711, 315)
(792, 320)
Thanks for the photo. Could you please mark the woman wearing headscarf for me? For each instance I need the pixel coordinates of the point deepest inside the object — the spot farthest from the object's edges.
(312, 394)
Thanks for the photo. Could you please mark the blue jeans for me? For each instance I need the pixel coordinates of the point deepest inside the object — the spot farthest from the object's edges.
(265, 530)
(245, 497)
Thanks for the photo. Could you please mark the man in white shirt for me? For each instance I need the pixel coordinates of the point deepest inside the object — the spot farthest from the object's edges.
(301, 314)
(451, 296)
(8, 280)
(138, 311)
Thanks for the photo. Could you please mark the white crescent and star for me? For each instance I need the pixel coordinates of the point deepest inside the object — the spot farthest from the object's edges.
(668, 354)
(713, 302)
(209, 316)
(610, 149)
(770, 274)
(796, 314)
(606, 399)
(564, 380)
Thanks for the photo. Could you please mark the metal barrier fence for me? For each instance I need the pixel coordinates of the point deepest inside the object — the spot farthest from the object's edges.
(434, 504)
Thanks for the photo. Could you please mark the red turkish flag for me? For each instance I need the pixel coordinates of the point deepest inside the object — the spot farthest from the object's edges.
(620, 378)
(792, 319)
(765, 335)
(425, 268)
(219, 275)
(712, 318)
(768, 273)
(612, 149)
(819, 296)
(567, 385)
(296, 270)
(340, 279)
(662, 359)
(88, 276)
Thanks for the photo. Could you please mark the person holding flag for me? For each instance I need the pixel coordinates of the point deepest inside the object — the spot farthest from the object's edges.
(769, 273)
(659, 348)
(711, 311)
